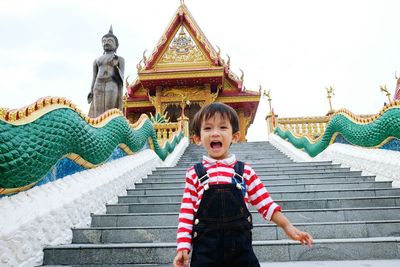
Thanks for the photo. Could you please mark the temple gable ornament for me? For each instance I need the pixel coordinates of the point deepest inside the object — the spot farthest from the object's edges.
(182, 49)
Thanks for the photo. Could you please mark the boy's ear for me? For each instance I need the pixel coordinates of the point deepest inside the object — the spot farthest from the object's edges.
(236, 137)
(197, 139)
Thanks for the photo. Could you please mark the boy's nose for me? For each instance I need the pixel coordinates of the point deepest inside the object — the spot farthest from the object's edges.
(215, 132)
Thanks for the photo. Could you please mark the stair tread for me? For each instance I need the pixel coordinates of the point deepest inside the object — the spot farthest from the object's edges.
(372, 231)
(264, 242)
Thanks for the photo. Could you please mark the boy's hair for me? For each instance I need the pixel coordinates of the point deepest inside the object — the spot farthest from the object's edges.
(210, 110)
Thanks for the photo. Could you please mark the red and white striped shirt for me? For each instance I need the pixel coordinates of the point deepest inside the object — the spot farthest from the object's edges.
(220, 172)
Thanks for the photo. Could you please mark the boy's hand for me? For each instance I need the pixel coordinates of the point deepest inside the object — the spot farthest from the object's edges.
(181, 259)
(295, 234)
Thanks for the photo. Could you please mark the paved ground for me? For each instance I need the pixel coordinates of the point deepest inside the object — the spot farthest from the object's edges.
(365, 263)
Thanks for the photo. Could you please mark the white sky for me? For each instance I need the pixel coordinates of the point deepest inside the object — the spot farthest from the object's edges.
(296, 48)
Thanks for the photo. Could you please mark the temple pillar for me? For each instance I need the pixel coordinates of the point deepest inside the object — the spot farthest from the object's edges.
(207, 92)
(242, 125)
(185, 125)
(158, 100)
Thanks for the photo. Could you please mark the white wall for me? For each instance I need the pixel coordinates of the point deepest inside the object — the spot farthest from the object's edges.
(44, 215)
(385, 164)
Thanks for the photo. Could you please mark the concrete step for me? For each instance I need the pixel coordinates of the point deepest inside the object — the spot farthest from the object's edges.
(316, 173)
(308, 202)
(272, 170)
(268, 180)
(277, 250)
(176, 194)
(296, 216)
(262, 168)
(269, 165)
(342, 263)
(270, 159)
(143, 189)
(327, 230)
(350, 216)
(186, 163)
(324, 203)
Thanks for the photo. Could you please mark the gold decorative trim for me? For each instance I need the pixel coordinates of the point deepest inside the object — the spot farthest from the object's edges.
(88, 165)
(81, 161)
(198, 36)
(45, 105)
(72, 156)
(144, 76)
(316, 119)
(365, 119)
(126, 149)
(387, 140)
(138, 104)
(238, 99)
(8, 191)
(309, 139)
(214, 95)
(334, 136)
(184, 53)
(139, 123)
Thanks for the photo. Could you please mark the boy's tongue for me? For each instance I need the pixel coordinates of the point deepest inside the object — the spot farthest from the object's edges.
(216, 145)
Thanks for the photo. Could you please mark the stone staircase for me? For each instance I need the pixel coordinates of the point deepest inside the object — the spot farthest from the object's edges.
(351, 217)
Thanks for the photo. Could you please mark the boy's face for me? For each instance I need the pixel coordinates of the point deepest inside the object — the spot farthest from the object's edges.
(216, 136)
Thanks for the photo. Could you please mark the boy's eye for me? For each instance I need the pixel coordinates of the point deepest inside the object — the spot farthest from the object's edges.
(207, 128)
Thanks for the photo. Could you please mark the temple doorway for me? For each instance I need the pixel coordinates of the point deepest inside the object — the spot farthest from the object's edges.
(175, 113)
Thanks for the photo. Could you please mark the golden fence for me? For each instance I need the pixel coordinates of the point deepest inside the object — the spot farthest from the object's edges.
(312, 127)
(166, 131)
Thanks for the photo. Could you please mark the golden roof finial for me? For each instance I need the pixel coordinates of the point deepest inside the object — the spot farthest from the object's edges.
(229, 60)
(139, 65)
(385, 90)
(241, 76)
(267, 94)
(144, 57)
(330, 92)
(127, 82)
(219, 51)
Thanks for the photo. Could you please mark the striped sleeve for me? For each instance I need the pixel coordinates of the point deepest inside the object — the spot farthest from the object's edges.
(186, 213)
(258, 196)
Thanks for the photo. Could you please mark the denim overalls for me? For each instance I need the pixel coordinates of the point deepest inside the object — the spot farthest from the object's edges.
(222, 225)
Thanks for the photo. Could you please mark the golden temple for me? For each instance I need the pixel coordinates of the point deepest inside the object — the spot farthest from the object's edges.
(185, 72)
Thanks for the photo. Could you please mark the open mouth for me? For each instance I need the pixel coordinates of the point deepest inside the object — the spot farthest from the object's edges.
(216, 145)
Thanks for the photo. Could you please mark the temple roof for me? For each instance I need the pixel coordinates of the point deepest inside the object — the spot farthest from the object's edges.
(184, 58)
(183, 18)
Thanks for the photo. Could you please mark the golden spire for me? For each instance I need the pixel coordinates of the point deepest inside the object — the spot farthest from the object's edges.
(268, 95)
(385, 90)
(330, 92)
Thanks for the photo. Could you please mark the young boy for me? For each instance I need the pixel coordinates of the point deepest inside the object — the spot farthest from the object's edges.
(214, 221)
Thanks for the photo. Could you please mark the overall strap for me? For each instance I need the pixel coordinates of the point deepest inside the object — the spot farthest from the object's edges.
(201, 172)
(239, 169)
(238, 177)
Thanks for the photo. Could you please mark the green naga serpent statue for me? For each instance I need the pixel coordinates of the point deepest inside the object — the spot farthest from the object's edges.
(378, 131)
(34, 139)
